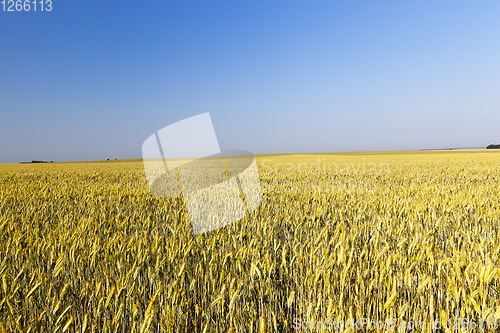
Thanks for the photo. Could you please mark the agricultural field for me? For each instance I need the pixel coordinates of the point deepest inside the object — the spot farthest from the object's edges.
(402, 236)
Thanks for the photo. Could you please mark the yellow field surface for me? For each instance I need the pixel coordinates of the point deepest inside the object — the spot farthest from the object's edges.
(403, 236)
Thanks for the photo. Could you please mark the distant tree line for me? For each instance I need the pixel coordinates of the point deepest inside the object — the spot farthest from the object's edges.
(493, 147)
(37, 162)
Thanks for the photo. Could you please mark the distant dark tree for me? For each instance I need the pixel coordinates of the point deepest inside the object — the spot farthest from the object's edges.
(493, 147)
(108, 159)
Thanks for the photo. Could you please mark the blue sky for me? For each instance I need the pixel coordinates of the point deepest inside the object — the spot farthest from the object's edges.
(92, 80)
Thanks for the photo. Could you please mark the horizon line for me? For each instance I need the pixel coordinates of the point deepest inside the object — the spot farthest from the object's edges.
(260, 155)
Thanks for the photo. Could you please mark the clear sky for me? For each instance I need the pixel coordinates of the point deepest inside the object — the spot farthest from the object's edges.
(92, 80)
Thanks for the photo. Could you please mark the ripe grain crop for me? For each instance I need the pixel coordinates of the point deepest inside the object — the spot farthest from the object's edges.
(84, 247)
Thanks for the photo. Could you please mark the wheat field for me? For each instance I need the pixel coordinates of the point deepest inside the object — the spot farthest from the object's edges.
(403, 236)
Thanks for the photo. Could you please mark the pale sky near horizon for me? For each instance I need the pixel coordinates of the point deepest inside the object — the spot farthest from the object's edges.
(91, 80)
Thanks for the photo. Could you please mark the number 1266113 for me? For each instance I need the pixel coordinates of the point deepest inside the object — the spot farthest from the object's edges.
(26, 5)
